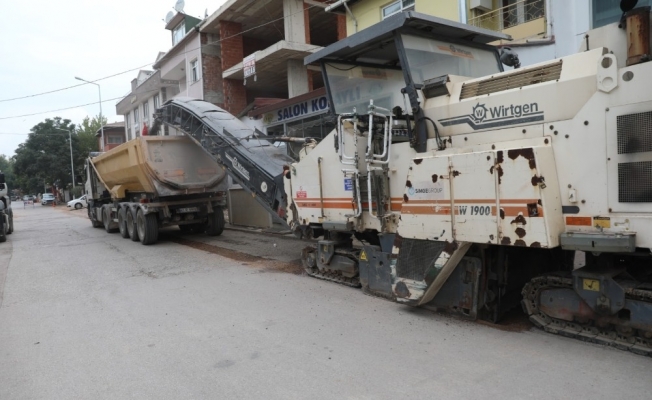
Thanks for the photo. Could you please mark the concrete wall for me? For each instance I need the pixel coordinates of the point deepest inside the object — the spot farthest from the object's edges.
(567, 23)
(448, 9)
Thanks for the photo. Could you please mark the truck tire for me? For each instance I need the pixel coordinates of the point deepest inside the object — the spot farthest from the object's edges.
(107, 219)
(131, 225)
(147, 226)
(122, 223)
(3, 229)
(94, 222)
(215, 223)
(10, 230)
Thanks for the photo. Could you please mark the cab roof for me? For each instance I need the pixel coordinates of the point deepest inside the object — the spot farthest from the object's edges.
(378, 37)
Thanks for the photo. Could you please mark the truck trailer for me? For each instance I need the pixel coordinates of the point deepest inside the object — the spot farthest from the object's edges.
(152, 182)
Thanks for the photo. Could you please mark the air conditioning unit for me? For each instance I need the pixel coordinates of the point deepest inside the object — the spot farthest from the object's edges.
(482, 5)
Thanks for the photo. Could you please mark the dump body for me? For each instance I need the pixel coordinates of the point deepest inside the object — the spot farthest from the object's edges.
(152, 182)
(160, 165)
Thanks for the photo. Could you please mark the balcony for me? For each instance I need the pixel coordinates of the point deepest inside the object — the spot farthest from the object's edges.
(522, 19)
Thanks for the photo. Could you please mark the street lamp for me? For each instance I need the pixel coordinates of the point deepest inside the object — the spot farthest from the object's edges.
(100, 92)
(72, 165)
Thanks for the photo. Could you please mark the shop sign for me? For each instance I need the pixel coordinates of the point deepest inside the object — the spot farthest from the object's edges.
(298, 110)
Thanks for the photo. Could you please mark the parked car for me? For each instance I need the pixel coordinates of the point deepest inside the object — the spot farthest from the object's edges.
(78, 203)
(47, 199)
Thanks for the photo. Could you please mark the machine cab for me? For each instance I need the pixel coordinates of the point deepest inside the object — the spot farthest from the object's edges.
(395, 62)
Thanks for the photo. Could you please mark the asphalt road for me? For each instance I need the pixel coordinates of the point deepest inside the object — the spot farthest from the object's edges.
(88, 315)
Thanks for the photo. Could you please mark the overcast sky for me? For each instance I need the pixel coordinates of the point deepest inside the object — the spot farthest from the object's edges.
(46, 43)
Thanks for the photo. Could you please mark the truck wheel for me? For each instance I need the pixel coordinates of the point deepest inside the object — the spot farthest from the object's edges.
(3, 230)
(94, 222)
(215, 224)
(131, 225)
(147, 226)
(11, 224)
(122, 223)
(107, 220)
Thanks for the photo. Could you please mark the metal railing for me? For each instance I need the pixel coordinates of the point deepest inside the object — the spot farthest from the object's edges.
(512, 15)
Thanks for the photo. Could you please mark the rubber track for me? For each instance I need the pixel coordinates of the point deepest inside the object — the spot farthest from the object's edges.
(586, 332)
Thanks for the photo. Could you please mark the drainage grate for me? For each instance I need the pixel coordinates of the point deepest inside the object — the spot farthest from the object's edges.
(634, 132)
(416, 256)
(635, 182)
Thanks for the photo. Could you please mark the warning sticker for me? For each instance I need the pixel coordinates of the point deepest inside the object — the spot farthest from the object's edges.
(302, 194)
(578, 221)
(602, 222)
(591, 284)
(363, 256)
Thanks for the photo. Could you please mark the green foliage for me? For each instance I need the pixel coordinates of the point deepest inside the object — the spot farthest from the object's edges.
(44, 158)
(77, 190)
(86, 134)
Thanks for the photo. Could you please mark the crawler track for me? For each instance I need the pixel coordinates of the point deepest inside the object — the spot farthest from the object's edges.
(625, 339)
(310, 266)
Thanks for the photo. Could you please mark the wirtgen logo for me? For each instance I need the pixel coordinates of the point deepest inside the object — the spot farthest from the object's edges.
(483, 117)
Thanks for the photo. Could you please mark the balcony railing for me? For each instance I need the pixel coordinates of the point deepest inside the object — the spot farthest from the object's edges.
(512, 15)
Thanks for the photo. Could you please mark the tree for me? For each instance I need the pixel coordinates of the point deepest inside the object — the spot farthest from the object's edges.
(86, 134)
(44, 158)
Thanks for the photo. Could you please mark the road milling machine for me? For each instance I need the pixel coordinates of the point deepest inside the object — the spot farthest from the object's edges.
(472, 188)
(452, 184)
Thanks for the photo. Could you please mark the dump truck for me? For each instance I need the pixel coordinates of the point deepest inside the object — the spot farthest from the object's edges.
(152, 182)
(6, 213)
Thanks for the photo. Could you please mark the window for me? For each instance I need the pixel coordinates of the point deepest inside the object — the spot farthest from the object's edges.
(516, 12)
(178, 33)
(604, 12)
(429, 58)
(146, 111)
(397, 6)
(156, 105)
(115, 140)
(194, 68)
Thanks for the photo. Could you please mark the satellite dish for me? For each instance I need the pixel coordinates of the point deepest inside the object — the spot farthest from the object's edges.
(168, 17)
(179, 6)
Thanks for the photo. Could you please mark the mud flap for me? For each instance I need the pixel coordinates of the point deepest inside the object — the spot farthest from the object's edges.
(459, 295)
(376, 272)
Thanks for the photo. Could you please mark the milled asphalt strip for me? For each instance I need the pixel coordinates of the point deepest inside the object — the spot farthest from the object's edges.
(6, 251)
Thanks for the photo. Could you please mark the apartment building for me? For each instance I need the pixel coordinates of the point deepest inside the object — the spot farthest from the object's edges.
(262, 47)
(361, 14)
(191, 67)
(114, 135)
(544, 29)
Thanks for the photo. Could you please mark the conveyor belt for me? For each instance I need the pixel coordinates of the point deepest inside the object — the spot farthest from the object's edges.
(248, 156)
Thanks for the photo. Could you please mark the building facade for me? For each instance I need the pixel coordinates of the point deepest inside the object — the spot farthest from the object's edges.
(262, 62)
(361, 14)
(114, 135)
(544, 29)
(191, 67)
